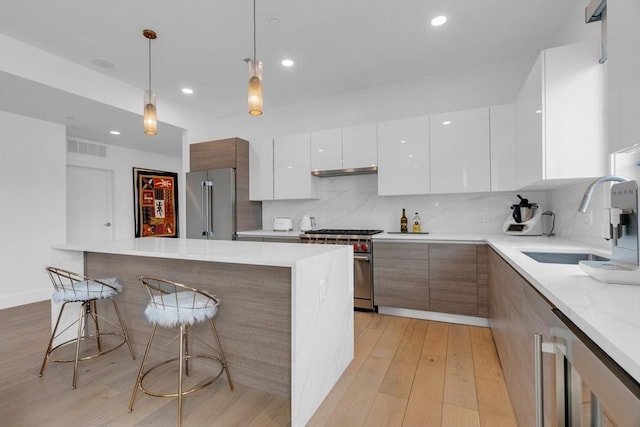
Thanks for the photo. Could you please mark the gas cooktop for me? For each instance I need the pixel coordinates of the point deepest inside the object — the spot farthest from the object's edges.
(344, 232)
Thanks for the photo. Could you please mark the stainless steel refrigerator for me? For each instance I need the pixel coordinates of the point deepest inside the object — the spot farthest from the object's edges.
(212, 204)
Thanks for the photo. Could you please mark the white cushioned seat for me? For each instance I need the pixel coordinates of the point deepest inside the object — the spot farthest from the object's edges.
(87, 290)
(173, 309)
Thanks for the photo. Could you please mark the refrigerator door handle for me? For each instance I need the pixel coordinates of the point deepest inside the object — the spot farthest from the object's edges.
(207, 199)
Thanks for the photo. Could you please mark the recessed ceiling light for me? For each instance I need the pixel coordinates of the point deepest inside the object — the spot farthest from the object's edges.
(538, 111)
(403, 142)
(187, 90)
(438, 20)
(274, 21)
(287, 62)
(446, 122)
(114, 132)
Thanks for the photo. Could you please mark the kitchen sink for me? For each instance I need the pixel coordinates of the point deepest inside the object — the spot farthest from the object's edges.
(564, 257)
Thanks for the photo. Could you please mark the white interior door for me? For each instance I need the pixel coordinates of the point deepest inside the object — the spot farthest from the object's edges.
(89, 204)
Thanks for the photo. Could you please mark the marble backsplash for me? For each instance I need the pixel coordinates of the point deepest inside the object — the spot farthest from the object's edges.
(353, 202)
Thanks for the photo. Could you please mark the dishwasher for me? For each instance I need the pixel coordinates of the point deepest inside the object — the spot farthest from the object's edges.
(592, 390)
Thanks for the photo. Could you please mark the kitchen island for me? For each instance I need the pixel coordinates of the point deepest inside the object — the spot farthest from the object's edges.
(286, 314)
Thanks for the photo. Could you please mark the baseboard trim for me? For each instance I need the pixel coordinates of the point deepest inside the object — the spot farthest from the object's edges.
(432, 315)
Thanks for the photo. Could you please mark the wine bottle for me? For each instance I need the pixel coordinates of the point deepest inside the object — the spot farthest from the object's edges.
(416, 223)
(403, 222)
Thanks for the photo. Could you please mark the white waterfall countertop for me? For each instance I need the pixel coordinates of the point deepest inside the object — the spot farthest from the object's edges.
(256, 253)
(608, 313)
(321, 310)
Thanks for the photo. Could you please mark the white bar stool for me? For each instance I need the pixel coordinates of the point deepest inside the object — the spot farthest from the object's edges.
(70, 287)
(173, 305)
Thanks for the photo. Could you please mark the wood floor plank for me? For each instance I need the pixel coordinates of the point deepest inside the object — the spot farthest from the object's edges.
(424, 408)
(485, 359)
(443, 364)
(386, 411)
(494, 404)
(460, 386)
(354, 407)
(387, 345)
(399, 378)
(456, 416)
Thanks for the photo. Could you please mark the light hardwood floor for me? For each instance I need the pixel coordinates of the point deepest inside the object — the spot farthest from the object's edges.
(406, 372)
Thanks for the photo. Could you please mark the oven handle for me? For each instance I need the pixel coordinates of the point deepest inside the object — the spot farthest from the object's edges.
(366, 258)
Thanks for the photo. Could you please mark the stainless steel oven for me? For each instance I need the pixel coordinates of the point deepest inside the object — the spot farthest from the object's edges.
(362, 259)
(592, 390)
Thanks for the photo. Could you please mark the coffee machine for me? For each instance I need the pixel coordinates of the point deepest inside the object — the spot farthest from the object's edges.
(624, 266)
(525, 220)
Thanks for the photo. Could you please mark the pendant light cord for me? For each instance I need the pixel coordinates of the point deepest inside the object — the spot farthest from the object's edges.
(254, 31)
(149, 65)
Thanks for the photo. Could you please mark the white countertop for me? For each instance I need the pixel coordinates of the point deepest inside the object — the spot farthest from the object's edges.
(608, 313)
(256, 253)
(270, 233)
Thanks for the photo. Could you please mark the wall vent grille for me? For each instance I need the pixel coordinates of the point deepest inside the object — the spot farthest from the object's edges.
(86, 148)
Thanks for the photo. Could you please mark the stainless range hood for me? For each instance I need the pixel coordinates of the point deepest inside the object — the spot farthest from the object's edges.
(344, 172)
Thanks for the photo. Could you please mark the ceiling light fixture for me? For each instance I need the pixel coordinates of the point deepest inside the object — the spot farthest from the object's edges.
(287, 62)
(114, 132)
(150, 118)
(438, 20)
(187, 90)
(255, 75)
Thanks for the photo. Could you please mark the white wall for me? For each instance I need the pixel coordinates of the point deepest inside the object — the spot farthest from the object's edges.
(32, 205)
(121, 161)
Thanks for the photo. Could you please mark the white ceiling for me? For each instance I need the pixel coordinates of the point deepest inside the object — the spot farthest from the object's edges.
(339, 46)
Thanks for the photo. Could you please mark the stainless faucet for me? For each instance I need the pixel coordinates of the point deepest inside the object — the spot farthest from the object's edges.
(590, 189)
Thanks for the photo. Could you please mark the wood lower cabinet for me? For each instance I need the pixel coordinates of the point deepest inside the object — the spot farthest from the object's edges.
(453, 279)
(447, 278)
(401, 275)
(516, 313)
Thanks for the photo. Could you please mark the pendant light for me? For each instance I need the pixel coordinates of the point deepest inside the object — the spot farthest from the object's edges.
(150, 119)
(255, 75)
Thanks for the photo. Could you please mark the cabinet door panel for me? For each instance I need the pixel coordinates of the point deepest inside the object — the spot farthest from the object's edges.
(326, 149)
(516, 313)
(502, 121)
(453, 279)
(359, 146)
(292, 167)
(460, 152)
(261, 169)
(401, 275)
(403, 154)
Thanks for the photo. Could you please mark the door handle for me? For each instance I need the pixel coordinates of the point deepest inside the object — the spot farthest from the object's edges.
(539, 348)
(361, 258)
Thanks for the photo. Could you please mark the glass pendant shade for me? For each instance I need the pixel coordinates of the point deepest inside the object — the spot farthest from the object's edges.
(255, 87)
(150, 119)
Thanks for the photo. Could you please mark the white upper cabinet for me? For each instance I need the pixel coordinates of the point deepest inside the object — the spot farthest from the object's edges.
(359, 146)
(326, 150)
(623, 73)
(502, 126)
(291, 168)
(460, 153)
(560, 118)
(403, 153)
(261, 169)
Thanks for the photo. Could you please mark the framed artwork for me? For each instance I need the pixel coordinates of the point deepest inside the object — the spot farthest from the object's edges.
(155, 201)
